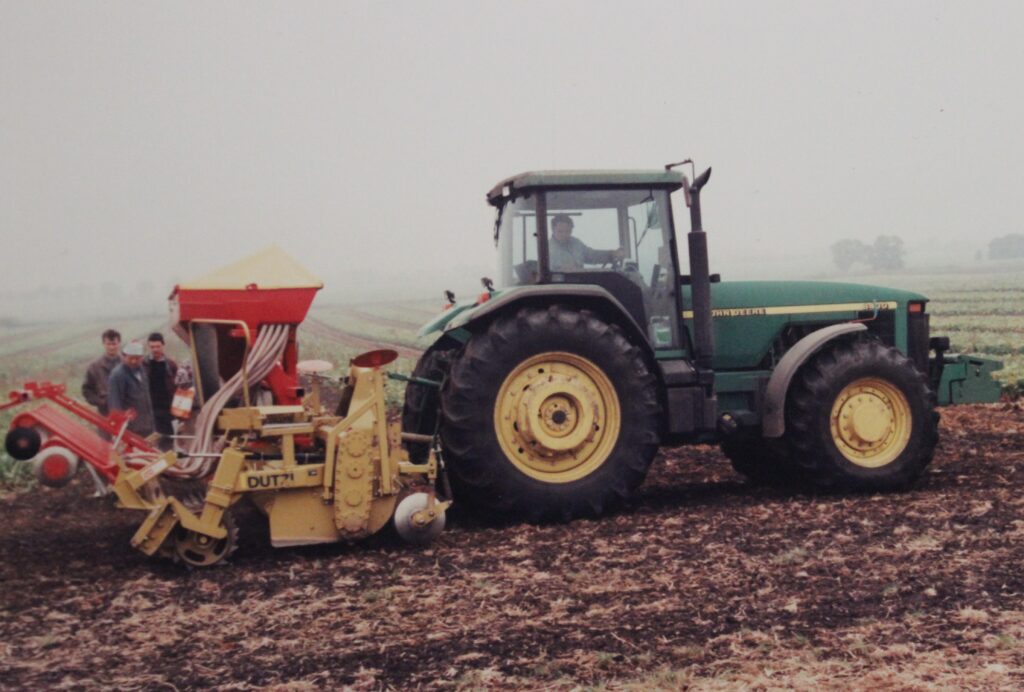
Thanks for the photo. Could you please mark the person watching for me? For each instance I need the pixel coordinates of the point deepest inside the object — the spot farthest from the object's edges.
(161, 371)
(128, 389)
(94, 388)
(566, 253)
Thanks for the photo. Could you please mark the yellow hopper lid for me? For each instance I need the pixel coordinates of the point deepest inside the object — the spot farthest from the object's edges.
(269, 268)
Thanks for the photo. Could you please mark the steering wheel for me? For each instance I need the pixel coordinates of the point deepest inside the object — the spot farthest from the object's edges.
(615, 263)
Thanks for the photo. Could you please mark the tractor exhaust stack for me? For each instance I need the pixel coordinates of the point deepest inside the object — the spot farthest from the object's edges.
(700, 278)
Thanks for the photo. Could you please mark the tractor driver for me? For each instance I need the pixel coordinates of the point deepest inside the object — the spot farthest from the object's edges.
(566, 253)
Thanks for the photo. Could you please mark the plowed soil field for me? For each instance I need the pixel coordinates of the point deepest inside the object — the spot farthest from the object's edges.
(704, 581)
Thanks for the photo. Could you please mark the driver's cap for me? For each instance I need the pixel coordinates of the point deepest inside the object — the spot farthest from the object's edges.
(562, 218)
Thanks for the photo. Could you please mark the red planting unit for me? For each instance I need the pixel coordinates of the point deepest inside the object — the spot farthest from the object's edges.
(267, 288)
(53, 430)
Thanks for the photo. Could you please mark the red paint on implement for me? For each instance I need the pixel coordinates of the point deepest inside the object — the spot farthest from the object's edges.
(255, 306)
(56, 467)
(68, 432)
(375, 359)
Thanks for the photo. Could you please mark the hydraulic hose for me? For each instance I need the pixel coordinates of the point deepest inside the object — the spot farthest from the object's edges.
(201, 458)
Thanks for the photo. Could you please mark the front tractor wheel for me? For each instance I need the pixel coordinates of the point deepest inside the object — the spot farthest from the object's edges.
(861, 416)
(549, 414)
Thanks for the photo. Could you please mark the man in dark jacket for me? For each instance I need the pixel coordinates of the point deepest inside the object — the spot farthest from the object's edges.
(161, 371)
(94, 389)
(128, 389)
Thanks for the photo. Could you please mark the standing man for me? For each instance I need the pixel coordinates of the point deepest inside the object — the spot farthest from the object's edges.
(161, 371)
(128, 389)
(94, 389)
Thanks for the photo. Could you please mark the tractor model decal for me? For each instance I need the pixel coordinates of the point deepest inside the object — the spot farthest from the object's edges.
(795, 309)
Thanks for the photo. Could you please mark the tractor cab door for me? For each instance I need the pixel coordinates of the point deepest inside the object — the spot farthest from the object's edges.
(619, 239)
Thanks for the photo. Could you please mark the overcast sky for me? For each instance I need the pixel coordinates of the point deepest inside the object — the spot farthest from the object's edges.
(143, 140)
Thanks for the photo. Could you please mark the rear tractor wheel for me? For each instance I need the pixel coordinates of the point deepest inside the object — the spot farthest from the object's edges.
(861, 416)
(549, 414)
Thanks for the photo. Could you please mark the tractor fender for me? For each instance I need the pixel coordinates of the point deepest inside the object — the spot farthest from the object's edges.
(590, 297)
(773, 423)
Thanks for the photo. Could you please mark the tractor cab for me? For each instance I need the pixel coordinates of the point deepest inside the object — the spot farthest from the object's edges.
(612, 230)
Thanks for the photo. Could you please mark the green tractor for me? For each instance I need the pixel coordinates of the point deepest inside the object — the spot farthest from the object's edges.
(553, 392)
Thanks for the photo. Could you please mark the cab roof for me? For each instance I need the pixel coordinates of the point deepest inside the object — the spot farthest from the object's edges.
(671, 180)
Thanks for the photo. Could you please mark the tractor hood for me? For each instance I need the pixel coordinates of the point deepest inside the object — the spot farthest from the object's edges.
(748, 316)
(795, 297)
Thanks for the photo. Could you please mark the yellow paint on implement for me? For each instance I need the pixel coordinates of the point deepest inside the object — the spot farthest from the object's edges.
(870, 422)
(351, 494)
(557, 417)
(795, 309)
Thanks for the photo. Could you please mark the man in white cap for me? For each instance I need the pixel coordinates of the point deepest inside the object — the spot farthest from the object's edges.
(128, 389)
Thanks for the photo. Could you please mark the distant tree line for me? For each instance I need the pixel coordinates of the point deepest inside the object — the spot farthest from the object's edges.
(885, 254)
(1007, 247)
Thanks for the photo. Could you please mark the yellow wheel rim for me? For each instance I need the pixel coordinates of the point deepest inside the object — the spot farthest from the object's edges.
(871, 422)
(557, 417)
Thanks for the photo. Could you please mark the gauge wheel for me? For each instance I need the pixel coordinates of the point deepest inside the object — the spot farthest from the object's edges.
(860, 415)
(199, 550)
(549, 414)
(24, 442)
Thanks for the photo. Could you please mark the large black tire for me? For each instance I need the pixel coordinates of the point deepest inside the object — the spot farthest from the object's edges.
(860, 416)
(422, 402)
(531, 355)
